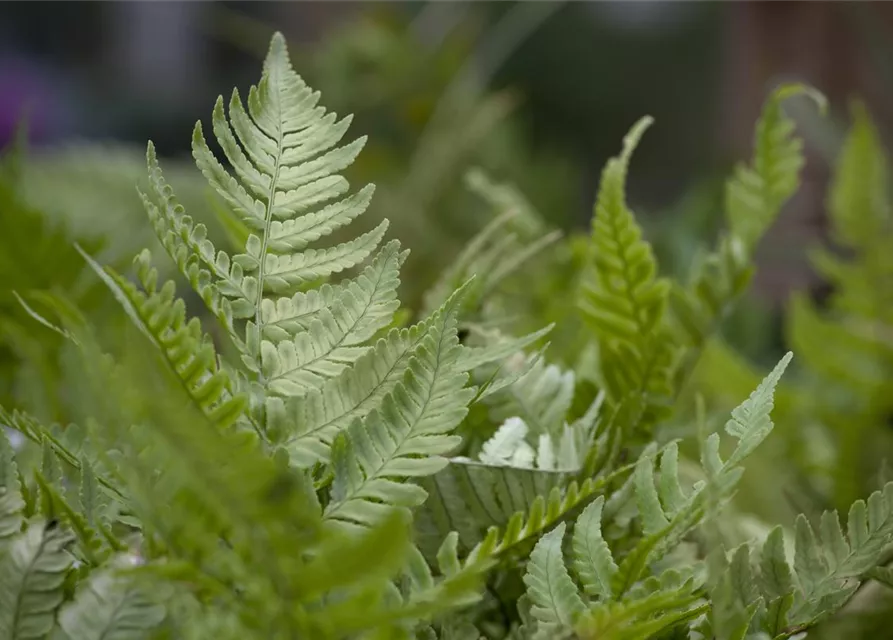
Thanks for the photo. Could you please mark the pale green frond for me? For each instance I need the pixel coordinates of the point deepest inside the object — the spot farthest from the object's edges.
(408, 434)
(369, 301)
(665, 519)
(556, 601)
(33, 567)
(284, 273)
(308, 424)
(218, 280)
(861, 219)
(754, 198)
(828, 572)
(108, 607)
(592, 559)
(334, 338)
(750, 423)
(11, 502)
(859, 204)
(285, 162)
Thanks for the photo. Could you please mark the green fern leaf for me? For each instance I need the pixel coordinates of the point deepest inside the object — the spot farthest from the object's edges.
(308, 424)
(593, 561)
(859, 205)
(188, 351)
(284, 153)
(754, 197)
(107, 607)
(666, 523)
(32, 571)
(334, 338)
(11, 503)
(623, 298)
(556, 601)
(756, 193)
(367, 302)
(408, 434)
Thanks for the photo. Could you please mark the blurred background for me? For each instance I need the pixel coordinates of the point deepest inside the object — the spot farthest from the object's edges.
(538, 94)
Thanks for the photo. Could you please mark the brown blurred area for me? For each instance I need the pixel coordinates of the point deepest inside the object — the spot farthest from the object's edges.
(842, 48)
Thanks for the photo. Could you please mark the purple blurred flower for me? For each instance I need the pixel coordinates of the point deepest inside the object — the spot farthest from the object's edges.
(26, 89)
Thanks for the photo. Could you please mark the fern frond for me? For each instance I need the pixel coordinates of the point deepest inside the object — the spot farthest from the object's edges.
(622, 297)
(755, 193)
(861, 217)
(32, 571)
(667, 513)
(187, 350)
(754, 197)
(284, 155)
(784, 599)
(592, 559)
(334, 337)
(308, 424)
(556, 601)
(624, 300)
(11, 502)
(655, 605)
(218, 280)
(109, 607)
(408, 435)
(367, 302)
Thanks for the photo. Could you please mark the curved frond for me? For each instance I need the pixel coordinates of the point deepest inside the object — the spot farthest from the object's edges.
(188, 351)
(756, 193)
(622, 296)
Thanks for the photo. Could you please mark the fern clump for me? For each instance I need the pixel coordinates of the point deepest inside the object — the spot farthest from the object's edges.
(315, 466)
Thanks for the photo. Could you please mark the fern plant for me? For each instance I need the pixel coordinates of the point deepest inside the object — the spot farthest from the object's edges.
(323, 471)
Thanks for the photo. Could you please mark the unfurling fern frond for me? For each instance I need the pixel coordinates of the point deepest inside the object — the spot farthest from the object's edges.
(756, 193)
(623, 298)
(754, 197)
